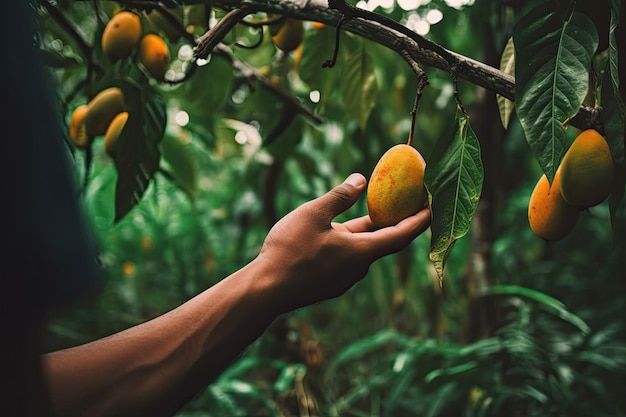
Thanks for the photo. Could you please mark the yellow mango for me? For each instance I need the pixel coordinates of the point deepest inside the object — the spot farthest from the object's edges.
(154, 55)
(102, 109)
(396, 187)
(549, 215)
(111, 137)
(121, 34)
(587, 170)
(77, 130)
(290, 35)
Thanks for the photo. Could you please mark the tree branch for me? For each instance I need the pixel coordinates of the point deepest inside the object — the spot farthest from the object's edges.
(207, 42)
(251, 73)
(219, 49)
(465, 68)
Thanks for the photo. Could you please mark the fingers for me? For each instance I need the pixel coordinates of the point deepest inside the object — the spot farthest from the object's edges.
(391, 239)
(360, 224)
(340, 198)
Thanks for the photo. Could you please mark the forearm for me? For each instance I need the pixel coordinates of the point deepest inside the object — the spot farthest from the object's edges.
(154, 368)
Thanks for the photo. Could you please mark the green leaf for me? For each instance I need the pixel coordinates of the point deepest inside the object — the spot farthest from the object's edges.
(553, 57)
(359, 88)
(443, 396)
(615, 115)
(288, 375)
(206, 92)
(451, 371)
(614, 126)
(369, 344)
(454, 179)
(182, 164)
(139, 155)
(482, 348)
(549, 303)
(507, 65)
(600, 360)
(613, 63)
(213, 86)
(316, 46)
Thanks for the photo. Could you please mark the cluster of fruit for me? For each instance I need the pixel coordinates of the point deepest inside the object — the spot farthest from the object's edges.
(122, 36)
(583, 179)
(106, 114)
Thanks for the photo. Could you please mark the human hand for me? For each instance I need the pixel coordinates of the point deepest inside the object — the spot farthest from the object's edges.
(311, 258)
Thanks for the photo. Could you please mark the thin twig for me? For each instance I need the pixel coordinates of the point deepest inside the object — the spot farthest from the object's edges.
(252, 72)
(422, 82)
(331, 62)
(207, 42)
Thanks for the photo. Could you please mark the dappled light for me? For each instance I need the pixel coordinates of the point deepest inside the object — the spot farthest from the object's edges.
(195, 128)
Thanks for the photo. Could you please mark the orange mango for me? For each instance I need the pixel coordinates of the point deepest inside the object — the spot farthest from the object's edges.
(396, 187)
(290, 35)
(111, 138)
(121, 34)
(107, 104)
(549, 215)
(587, 170)
(77, 129)
(154, 55)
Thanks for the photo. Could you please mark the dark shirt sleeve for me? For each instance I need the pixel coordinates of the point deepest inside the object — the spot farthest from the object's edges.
(50, 256)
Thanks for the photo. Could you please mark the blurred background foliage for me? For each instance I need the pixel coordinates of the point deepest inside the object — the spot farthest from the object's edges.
(519, 328)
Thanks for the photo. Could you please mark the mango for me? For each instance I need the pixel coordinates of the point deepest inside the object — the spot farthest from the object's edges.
(121, 35)
(396, 188)
(154, 55)
(77, 129)
(587, 170)
(111, 137)
(549, 215)
(290, 35)
(107, 104)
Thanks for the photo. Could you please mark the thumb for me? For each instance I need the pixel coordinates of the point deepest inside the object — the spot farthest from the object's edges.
(342, 197)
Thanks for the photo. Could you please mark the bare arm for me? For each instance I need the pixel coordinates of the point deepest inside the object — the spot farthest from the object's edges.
(154, 368)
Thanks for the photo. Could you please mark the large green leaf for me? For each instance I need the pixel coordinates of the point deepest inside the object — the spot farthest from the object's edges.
(182, 164)
(451, 371)
(613, 51)
(507, 65)
(553, 56)
(139, 155)
(454, 179)
(359, 88)
(548, 303)
(614, 111)
(314, 50)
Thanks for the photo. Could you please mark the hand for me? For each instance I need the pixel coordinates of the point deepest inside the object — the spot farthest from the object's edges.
(311, 258)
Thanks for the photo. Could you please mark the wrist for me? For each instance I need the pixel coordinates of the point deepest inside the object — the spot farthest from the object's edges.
(267, 285)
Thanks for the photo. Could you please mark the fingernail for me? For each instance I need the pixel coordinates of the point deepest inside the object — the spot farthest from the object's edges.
(356, 180)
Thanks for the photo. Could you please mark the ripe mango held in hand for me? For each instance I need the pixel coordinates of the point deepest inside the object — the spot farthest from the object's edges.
(396, 188)
(587, 170)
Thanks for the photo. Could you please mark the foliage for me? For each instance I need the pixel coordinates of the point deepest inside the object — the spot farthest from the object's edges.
(542, 334)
